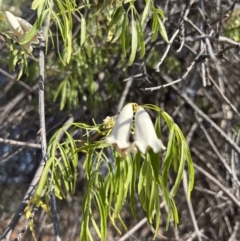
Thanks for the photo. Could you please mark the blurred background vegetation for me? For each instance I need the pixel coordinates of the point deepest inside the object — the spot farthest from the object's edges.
(103, 61)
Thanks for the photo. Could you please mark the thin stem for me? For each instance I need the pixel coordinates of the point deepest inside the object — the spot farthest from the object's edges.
(19, 143)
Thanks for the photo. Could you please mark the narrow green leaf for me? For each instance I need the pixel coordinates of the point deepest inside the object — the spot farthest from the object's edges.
(157, 216)
(162, 30)
(103, 216)
(168, 119)
(161, 13)
(174, 211)
(168, 158)
(146, 13)
(36, 3)
(64, 94)
(155, 25)
(122, 223)
(69, 46)
(133, 183)
(20, 73)
(30, 35)
(65, 160)
(43, 179)
(73, 147)
(149, 177)
(124, 35)
(190, 170)
(120, 186)
(118, 30)
(118, 13)
(83, 30)
(95, 225)
(154, 159)
(61, 183)
(142, 184)
(134, 41)
(180, 171)
(141, 41)
(84, 233)
(152, 200)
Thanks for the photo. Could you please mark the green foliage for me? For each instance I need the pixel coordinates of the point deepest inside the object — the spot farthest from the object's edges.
(123, 25)
(232, 26)
(113, 179)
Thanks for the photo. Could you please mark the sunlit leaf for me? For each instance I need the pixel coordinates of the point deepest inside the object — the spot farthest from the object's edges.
(83, 31)
(133, 41)
(168, 158)
(146, 12)
(174, 211)
(30, 35)
(124, 35)
(157, 216)
(155, 25)
(162, 30)
(115, 24)
(36, 3)
(161, 13)
(43, 179)
(141, 41)
(120, 187)
(103, 216)
(180, 171)
(142, 184)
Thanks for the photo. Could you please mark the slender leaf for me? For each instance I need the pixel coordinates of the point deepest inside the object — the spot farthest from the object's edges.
(162, 30)
(36, 3)
(124, 35)
(146, 12)
(134, 41)
(180, 171)
(43, 179)
(120, 187)
(103, 216)
(30, 34)
(83, 31)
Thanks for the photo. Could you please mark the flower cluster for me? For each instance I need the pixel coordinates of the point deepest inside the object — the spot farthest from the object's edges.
(19, 28)
(145, 135)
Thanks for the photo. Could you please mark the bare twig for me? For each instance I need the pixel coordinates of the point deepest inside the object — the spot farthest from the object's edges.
(224, 96)
(182, 27)
(210, 141)
(157, 67)
(138, 226)
(202, 114)
(214, 180)
(192, 65)
(20, 143)
(190, 207)
(133, 230)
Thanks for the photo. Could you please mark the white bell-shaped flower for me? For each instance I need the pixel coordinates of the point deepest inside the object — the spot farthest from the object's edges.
(145, 135)
(14, 24)
(19, 28)
(120, 134)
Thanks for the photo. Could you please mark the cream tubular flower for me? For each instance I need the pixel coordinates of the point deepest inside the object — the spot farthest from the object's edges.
(145, 135)
(20, 27)
(121, 130)
(14, 24)
(26, 26)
